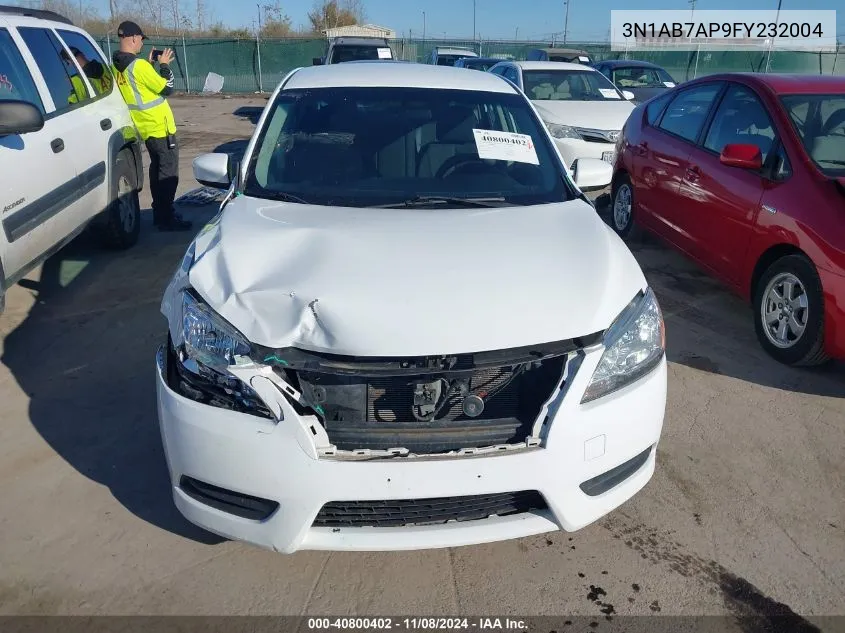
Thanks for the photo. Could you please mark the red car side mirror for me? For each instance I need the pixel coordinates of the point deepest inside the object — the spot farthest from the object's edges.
(742, 155)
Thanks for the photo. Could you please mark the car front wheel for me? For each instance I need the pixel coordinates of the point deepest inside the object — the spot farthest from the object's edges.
(789, 312)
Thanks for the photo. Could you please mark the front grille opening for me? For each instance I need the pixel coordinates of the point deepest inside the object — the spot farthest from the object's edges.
(435, 412)
(406, 512)
(244, 506)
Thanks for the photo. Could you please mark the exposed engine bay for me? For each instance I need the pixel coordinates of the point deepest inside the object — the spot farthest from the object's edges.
(425, 406)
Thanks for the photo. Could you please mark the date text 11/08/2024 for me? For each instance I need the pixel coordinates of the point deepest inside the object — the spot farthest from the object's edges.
(410, 624)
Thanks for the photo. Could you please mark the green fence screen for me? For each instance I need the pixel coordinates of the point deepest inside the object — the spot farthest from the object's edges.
(238, 60)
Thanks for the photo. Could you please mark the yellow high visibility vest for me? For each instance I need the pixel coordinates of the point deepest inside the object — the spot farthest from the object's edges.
(79, 93)
(140, 85)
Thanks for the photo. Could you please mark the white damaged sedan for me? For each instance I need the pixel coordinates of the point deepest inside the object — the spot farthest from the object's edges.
(406, 328)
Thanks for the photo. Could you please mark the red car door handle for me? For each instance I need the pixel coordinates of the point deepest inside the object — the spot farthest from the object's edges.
(693, 173)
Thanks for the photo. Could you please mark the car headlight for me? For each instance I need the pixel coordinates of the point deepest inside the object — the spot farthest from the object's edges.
(208, 338)
(562, 131)
(634, 345)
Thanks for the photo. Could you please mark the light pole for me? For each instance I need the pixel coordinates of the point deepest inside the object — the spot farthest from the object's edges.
(473, 20)
(258, 50)
(423, 25)
(772, 40)
(566, 21)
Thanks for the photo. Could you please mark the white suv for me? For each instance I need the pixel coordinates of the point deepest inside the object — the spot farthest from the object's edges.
(69, 154)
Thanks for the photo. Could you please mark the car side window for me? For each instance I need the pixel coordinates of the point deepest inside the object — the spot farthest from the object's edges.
(65, 84)
(685, 115)
(90, 61)
(16, 82)
(511, 74)
(741, 118)
(654, 109)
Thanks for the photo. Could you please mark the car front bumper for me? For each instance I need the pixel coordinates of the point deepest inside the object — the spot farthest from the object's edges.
(572, 149)
(277, 461)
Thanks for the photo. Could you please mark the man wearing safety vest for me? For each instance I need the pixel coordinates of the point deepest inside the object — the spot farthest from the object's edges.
(144, 91)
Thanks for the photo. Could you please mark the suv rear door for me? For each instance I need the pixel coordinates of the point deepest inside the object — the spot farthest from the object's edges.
(38, 180)
(78, 123)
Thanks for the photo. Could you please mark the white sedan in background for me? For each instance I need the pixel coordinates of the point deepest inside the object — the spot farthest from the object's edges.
(582, 109)
(406, 328)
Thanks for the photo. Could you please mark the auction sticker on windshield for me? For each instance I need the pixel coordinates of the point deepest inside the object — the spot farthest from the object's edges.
(384, 53)
(608, 93)
(509, 146)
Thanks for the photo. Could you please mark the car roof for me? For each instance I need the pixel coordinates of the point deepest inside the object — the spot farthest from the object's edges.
(451, 50)
(39, 14)
(563, 51)
(787, 83)
(552, 66)
(627, 63)
(360, 41)
(485, 59)
(390, 74)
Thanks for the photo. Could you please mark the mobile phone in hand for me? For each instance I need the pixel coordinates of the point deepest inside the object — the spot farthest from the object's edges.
(156, 54)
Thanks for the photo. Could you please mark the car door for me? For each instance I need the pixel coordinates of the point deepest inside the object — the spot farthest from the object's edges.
(721, 203)
(102, 116)
(81, 135)
(662, 157)
(37, 176)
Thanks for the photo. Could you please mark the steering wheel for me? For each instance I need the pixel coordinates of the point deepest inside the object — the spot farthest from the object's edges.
(462, 163)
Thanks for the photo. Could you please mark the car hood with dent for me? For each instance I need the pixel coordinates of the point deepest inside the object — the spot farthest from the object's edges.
(411, 282)
(597, 115)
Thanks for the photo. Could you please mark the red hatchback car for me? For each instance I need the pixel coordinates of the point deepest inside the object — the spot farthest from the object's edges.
(745, 173)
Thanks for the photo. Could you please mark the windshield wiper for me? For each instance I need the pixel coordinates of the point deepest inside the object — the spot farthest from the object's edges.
(283, 196)
(420, 201)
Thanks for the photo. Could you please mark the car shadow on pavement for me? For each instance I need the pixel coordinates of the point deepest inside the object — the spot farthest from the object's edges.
(85, 357)
(236, 149)
(253, 113)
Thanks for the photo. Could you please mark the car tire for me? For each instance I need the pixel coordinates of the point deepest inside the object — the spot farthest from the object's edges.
(123, 217)
(789, 312)
(622, 209)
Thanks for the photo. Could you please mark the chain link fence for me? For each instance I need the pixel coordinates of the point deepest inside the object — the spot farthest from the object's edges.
(239, 60)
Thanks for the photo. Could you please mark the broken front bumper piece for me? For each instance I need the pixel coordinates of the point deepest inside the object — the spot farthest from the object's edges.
(277, 480)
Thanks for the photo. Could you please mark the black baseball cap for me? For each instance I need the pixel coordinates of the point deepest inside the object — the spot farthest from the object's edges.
(130, 29)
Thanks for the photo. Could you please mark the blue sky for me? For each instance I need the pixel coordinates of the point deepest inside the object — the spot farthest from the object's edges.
(588, 19)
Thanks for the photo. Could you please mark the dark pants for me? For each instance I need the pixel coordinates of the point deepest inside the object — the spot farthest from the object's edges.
(164, 177)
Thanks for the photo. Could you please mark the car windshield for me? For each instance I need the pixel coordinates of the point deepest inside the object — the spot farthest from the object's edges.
(354, 53)
(640, 77)
(448, 60)
(479, 64)
(820, 123)
(568, 85)
(365, 147)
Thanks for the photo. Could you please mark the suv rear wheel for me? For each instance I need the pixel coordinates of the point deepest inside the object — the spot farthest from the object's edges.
(789, 312)
(123, 217)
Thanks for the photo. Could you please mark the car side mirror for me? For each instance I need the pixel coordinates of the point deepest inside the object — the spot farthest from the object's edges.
(317, 61)
(630, 96)
(19, 117)
(590, 174)
(213, 170)
(742, 155)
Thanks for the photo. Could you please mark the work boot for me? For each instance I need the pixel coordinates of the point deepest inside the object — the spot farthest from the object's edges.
(174, 224)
